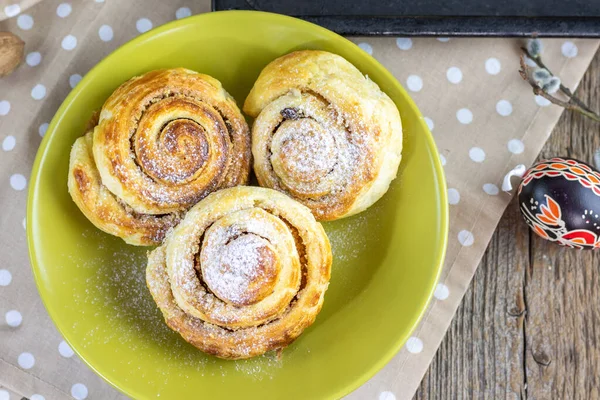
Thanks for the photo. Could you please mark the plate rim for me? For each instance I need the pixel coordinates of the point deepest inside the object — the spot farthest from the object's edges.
(438, 169)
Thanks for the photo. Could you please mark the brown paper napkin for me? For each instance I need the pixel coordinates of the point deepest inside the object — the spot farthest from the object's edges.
(484, 118)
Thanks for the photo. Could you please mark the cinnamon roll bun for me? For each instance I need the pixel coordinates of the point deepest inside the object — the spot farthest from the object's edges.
(324, 134)
(162, 142)
(245, 272)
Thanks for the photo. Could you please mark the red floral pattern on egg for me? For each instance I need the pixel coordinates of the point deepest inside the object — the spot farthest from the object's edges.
(560, 200)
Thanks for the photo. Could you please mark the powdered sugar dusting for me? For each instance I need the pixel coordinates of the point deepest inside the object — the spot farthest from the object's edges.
(110, 291)
(259, 370)
(357, 243)
(344, 244)
(230, 270)
(318, 156)
(173, 144)
(307, 151)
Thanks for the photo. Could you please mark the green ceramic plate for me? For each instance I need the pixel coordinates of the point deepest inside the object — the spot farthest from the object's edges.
(386, 260)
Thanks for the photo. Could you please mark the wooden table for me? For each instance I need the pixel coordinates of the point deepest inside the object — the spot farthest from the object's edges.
(529, 325)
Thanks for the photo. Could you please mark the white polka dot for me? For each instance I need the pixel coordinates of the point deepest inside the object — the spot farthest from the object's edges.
(4, 107)
(387, 396)
(366, 47)
(69, 42)
(25, 22)
(74, 80)
(454, 75)
(404, 43)
(491, 189)
(24, 223)
(464, 116)
(429, 123)
(11, 10)
(18, 182)
(477, 154)
(183, 12)
(37, 397)
(414, 345)
(26, 360)
(63, 10)
(441, 292)
(34, 58)
(453, 196)
(4, 395)
(9, 143)
(42, 129)
(504, 108)
(442, 160)
(414, 83)
(106, 33)
(79, 391)
(542, 101)
(515, 146)
(143, 25)
(569, 49)
(65, 350)
(38, 92)
(443, 39)
(13, 318)
(465, 238)
(492, 66)
(5, 277)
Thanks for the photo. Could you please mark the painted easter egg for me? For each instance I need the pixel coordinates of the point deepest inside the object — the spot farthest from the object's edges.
(560, 201)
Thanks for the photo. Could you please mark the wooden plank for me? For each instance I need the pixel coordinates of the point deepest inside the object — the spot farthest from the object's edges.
(482, 354)
(529, 324)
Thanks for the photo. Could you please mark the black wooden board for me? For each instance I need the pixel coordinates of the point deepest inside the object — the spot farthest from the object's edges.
(544, 18)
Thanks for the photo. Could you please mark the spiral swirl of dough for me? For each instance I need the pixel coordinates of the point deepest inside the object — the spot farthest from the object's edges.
(244, 272)
(324, 134)
(162, 142)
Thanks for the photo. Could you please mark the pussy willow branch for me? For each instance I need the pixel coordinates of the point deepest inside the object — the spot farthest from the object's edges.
(524, 72)
(563, 88)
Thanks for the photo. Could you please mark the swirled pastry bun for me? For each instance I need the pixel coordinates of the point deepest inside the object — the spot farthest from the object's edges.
(163, 142)
(324, 134)
(245, 272)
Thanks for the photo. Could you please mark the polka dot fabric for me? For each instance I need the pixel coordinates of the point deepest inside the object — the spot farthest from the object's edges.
(479, 134)
(63, 41)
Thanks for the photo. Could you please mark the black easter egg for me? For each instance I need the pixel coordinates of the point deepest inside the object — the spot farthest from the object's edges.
(560, 201)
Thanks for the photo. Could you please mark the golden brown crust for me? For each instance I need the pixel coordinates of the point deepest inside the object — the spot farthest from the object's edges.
(249, 220)
(161, 142)
(324, 134)
(166, 139)
(103, 209)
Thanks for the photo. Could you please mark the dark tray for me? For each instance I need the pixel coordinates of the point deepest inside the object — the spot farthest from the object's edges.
(559, 18)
